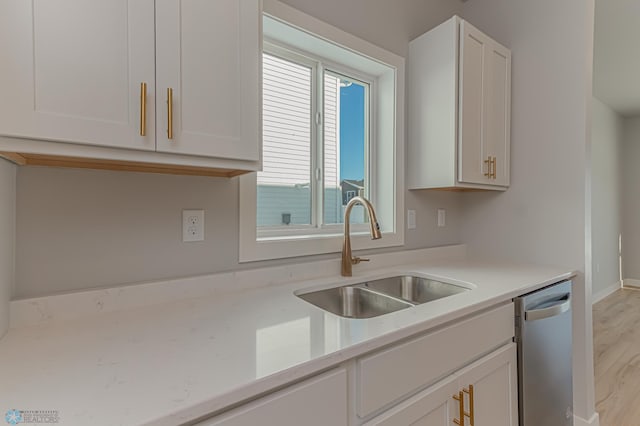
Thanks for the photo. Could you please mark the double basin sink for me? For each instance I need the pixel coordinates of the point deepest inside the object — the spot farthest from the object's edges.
(378, 297)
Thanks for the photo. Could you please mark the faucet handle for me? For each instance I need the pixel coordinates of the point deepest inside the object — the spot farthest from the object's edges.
(356, 260)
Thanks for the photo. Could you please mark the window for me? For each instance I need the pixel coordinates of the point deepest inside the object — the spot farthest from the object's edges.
(285, 186)
(315, 144)
(330, 107)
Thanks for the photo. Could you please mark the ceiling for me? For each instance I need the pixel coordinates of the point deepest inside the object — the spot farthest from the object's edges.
(616, 67)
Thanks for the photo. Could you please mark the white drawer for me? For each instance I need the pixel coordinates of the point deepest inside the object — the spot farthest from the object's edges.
(388, 375)
(319, 401)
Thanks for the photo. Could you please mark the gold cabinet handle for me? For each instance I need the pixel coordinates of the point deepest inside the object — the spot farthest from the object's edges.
(471, 413)
(460, 398)
(170, 113)
(143, 109)
(495, 168)
(488, 162)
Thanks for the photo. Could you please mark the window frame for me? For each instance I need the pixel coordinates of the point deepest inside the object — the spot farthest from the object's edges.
(386, 162)
(319, 66)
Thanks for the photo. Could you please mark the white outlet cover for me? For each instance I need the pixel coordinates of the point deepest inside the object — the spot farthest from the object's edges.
(192, 225)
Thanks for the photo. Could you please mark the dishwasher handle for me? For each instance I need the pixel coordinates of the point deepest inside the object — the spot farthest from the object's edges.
(562, 304)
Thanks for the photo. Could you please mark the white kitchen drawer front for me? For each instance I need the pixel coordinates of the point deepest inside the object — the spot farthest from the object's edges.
(320, 401)
(208, 54)
(72, 71)
(387, 376)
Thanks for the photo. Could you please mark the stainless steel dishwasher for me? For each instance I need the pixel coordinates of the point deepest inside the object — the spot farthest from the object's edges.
(543, 334)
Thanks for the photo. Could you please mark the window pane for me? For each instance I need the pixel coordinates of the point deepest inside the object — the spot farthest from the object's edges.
(345, 145)
(284, 192)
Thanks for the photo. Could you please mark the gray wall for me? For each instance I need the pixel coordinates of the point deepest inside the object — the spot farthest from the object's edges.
(631, 199)
(388, 24)
(7, 234)
(606, 160)
(81, 229)
(544, 216)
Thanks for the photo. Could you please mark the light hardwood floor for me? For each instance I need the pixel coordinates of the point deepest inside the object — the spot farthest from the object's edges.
(616, 339)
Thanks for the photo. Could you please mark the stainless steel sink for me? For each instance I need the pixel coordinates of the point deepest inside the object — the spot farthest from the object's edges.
(413, 289)
(354, 302)
(378, 297)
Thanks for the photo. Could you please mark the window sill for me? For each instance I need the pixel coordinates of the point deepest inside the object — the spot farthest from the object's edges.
(308, 245)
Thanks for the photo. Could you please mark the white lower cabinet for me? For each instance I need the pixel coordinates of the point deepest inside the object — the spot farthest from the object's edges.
(402, 369)
(494, 379)
(319, 401)
(486, 391)
(468, 365)
(431, 407)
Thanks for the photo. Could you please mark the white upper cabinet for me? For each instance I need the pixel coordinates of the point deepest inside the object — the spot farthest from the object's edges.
(459, 109)
(208, 54)
(485, 70)
(98, 74)
(72, 70)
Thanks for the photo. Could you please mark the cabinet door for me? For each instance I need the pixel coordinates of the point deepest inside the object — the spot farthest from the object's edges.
(320, 401)
(434, 406)
(497, 109)
(72, 70)
(495, 388)
(485, 105)
(208, 54)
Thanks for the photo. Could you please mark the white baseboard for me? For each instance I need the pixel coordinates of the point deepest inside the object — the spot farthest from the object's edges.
(629, 282)
(596, 297)
(593, 421)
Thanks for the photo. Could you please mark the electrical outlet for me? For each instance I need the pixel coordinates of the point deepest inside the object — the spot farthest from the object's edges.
(192, 225)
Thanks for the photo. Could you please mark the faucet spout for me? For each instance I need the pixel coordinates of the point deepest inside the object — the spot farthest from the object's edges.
(347, 257)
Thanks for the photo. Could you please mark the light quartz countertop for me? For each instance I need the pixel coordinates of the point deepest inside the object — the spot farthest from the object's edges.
(171, 362)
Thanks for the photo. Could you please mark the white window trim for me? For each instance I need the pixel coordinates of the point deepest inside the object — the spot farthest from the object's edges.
(329, 238)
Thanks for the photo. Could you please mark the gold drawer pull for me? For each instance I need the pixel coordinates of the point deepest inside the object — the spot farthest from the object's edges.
(495, 168)
(143, 109)
(170, 113)
(460, 398)
(488, 162)
(470, 414)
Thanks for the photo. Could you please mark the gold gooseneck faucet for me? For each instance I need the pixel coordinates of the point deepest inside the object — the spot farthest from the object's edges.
(347, 258)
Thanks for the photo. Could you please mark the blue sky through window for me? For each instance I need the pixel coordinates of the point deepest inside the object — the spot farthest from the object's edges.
(352, 129)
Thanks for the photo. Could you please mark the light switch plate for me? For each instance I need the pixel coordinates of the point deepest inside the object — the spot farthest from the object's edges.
(442, 218)
(411, 219)
(192, 225)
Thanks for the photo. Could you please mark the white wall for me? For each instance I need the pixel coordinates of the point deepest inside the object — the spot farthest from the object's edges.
(606, 179)
(7, 234)
(544, 216)
(631, 199)
(78, 229)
